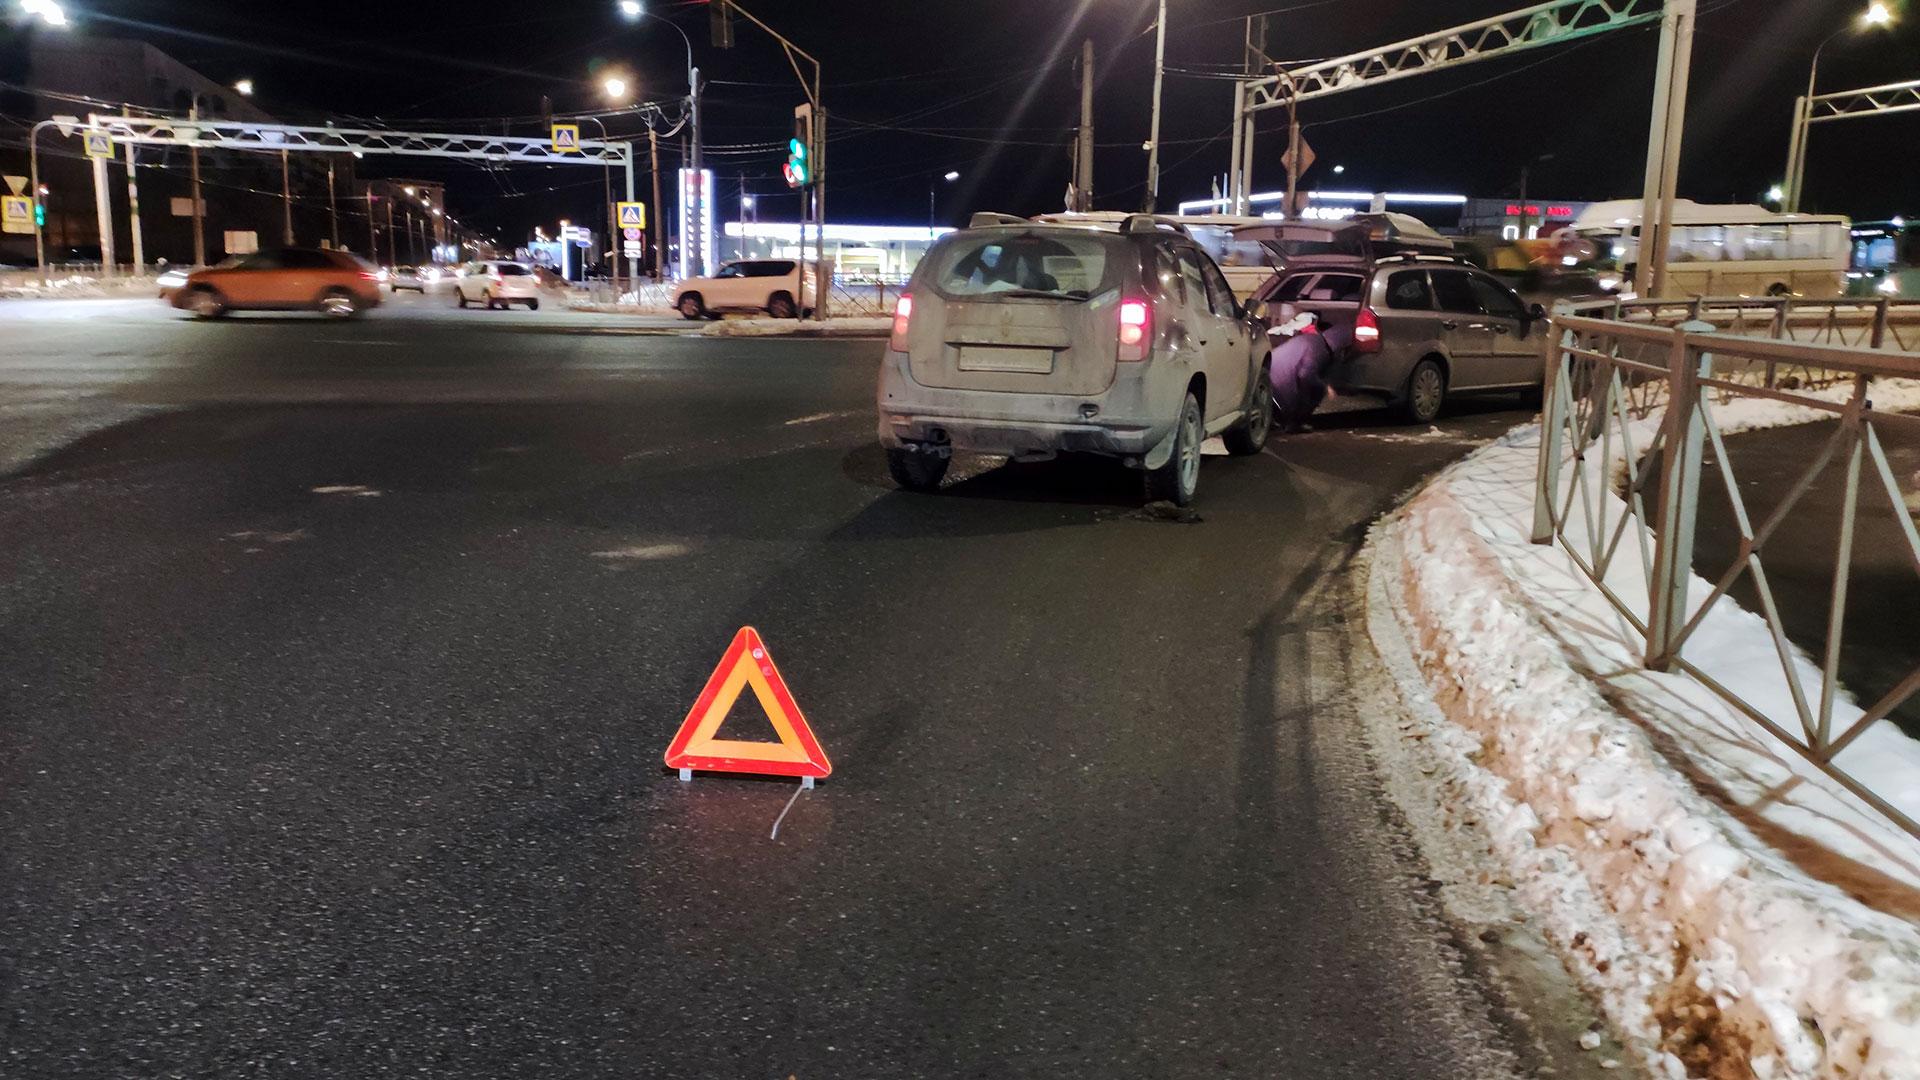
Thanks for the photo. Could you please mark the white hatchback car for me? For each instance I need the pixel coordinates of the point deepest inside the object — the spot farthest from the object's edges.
(497, 284)
(769, 285)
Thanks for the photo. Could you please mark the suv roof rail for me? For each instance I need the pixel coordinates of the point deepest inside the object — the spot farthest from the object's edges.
(1422, 256)
(1146, 223)
(987, 219)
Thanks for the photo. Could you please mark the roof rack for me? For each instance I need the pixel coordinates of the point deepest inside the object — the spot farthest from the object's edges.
(1146, 223)
(1420, 256)
(987, 219)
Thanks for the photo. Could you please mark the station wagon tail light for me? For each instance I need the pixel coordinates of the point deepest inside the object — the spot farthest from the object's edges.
(1136, 321)
(902, 316)
(1366, 331)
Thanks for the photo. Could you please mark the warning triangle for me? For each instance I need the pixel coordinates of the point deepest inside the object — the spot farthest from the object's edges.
(747, 663)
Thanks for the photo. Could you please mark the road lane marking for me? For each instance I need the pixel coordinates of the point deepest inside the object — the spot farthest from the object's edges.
(356, 490)
(644, 552)
(814, 418)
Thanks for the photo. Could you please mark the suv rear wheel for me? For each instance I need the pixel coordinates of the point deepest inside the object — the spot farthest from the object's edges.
(916, 470)
(1426, 391)
(1249, 436)
(1176, 481)
(780, 306)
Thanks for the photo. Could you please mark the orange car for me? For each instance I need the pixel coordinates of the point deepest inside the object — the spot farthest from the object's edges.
(333, 283)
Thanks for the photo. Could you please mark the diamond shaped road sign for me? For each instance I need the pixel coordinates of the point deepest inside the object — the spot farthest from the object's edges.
(633, 215)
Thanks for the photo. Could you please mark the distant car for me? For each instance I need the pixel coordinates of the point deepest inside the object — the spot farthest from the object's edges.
(407, 277)
(1411, 322)
(333, 283)
(1030, 339)
(497, 284)
(767, 285)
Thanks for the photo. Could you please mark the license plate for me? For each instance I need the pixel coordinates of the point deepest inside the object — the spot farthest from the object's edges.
(992, 358)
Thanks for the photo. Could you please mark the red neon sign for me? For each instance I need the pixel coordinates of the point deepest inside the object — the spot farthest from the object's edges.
(1533, 210)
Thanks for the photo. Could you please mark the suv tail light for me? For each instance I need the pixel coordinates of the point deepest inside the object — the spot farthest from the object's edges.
(368, 275)
(902, 316)
(1136, 326)
(1366, 331)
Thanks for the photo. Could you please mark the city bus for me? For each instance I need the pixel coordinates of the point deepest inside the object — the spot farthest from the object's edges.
(1728, 250)
(1886, 259)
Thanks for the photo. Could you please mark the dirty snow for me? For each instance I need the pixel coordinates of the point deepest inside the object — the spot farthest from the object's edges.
(1737, 913)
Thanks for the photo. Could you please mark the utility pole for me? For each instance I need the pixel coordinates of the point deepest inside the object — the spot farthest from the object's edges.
(133, 211)
(286, 199)
(693, 251)
(199, 206)
(393, 242)
(103, 212)
(1083, 146)
(1153, 131)
(659, 211)
(740, 249)
(373, 233)
(333, 208)
(1663, 146)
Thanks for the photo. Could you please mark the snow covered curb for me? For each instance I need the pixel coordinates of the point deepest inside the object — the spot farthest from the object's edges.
(852, 326)
(1716, 952)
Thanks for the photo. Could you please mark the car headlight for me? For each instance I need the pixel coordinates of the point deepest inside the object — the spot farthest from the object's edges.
(172, 279)
(1889, 285)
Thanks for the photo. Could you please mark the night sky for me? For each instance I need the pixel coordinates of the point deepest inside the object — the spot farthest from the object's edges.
(988, 88)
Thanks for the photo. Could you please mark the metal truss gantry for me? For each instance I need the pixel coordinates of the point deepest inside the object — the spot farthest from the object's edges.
(1556, 22)
(243, 135)
(1871, 101)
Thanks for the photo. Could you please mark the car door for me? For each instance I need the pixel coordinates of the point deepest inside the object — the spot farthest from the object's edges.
(1230, 376)
(249, 284)
(1515, 357)
(303, 276)
(1205, 337)
(1464, 328)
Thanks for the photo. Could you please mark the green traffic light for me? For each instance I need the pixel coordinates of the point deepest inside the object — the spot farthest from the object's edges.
(40, 215)
(797, 148)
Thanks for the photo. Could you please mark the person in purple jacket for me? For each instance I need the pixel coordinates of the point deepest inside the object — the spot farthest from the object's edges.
(1299, 371)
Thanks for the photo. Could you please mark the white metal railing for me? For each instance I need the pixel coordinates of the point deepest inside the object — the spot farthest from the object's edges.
(1628, 418)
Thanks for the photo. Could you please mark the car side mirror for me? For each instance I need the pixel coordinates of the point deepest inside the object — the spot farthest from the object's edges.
(1536, 313)
(1256, 309)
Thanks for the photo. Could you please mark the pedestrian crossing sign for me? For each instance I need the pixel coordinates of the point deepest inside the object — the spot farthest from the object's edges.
(99, 144)
(633, 215)
(747, 664)
(16, 214)
(566, 138)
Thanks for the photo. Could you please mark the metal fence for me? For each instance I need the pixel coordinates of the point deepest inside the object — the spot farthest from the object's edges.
(1628, 419)
(1880, 322)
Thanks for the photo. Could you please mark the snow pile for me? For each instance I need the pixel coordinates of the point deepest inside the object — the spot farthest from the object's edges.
(1766, 931)
(834, 326)
(72, 287)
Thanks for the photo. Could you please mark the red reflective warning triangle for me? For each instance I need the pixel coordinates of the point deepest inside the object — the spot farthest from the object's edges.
(747, 663)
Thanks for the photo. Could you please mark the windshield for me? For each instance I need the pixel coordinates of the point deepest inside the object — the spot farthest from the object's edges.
(1076, 265)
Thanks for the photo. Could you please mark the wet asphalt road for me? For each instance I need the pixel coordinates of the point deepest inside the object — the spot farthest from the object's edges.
(339, 664)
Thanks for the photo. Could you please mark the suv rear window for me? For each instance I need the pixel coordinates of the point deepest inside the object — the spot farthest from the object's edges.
(1333, 288)
(1075, 263)
(510, 270)
(767, 268)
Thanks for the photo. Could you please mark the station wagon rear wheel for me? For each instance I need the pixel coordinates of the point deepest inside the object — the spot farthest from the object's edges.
(1426, 392)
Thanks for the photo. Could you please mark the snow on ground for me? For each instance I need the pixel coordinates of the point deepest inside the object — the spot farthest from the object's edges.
(1737, 913)
(835, 326)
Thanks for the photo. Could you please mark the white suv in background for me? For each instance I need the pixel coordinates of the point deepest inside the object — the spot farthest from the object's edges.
(769, 285)
(497, 284)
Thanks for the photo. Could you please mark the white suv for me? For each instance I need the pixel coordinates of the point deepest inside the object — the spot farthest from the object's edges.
(497, 284)
(769, 285)
(1029, 339)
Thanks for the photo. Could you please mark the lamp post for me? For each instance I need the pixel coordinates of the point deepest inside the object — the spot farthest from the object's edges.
(950, 176)
(1153, 131)
(615, 88)
(1878, 14)
(634, 11)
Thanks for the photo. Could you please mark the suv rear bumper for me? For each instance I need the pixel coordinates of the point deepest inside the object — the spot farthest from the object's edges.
(1014, 423)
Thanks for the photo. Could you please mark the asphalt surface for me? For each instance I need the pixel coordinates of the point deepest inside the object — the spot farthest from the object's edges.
(340, 659)
(1880, 634)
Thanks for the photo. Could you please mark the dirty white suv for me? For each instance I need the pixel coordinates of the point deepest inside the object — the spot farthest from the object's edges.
(1027, 339)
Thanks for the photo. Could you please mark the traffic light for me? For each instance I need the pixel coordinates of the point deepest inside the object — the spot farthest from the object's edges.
(800, 169)
(39, 214)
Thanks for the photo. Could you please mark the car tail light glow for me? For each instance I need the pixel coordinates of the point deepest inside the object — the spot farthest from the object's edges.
(1366, 331)
(368, 275)
(1136, 324)
(902, 317)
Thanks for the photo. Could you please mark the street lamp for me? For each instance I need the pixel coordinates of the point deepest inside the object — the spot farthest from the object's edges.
(1776, 194)
(244, 87)
(49, 12)
(631, 9)
(1878, 14)
(950, 176)
(615, 88)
